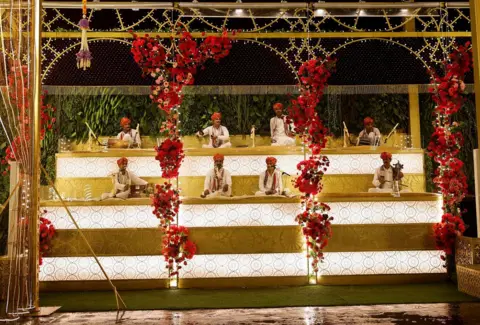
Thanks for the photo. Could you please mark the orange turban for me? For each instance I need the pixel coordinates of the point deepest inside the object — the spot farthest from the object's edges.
(122, 161)
(271, 161)
(124, 121)
(367, 120)
(386, 155)
(216, 116)
(218, 157)
(277, 106)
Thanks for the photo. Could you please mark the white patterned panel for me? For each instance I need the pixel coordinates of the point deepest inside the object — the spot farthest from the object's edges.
(238, 165)
(129, 216)
(103, 166)
(367, 163)
(392, 262)
(230, 215)
(117, 268)
(245, 265)
(386, 212)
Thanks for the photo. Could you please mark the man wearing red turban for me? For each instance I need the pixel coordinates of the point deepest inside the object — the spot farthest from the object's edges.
(385, 176)
(270, 182)
(218, 181)
(369, 136)
(219, 136)
(279, 129)
(129, 135)
(123, 180)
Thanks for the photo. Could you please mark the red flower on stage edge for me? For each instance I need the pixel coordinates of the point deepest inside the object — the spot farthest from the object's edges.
(177, 248)
(170, 155)
(46, 234)
(447, 231)
(166, 203)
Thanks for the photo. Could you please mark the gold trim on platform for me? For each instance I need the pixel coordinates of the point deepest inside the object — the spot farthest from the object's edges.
(243, 282)
(103, 285)
(380, 279)
(245, 240)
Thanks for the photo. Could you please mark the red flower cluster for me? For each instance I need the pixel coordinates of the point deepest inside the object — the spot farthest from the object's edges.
(317, 228)
(446, 232)
(311, 174)
(166, 203)
(445, 144)
(170, 155)
(47, 232)
(149, 53)
(177, 248)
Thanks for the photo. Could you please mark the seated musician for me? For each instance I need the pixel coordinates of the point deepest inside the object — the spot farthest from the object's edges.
(279, 128)
(219, 136)
(385, 175)
(370, 135)
(128, 134)
(123, 180)
(218, 181)
(270, 181)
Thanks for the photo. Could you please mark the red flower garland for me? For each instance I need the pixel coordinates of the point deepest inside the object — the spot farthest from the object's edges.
(46, 234)
(170, 155)
(166, 203)
(177, 248)
(445, 144)
(311, 175)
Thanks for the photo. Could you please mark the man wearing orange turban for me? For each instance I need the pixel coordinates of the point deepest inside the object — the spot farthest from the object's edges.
(218, 181)
(270, 182)
(123, 180)
(219, 136)
(279, 128)
(129, 135)
(386, 175)
(369, 136)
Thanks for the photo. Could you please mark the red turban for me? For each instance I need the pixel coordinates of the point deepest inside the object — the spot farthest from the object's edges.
(216, 116)
(386, 155)
(277, 106)
(122, 161)
(367, 120)
(218, 157)
(271, 161)
(124, 121)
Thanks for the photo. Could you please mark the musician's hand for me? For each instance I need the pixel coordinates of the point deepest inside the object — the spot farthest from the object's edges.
(225, 188)
(214, 138)
(400, 175)
(270, 192)
(126, 187)
(205, 193)
(199, 134)
(274, 141)
(381, 180)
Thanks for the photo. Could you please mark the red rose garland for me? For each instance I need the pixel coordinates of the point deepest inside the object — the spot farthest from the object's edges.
(46, 234)
(177, 248)
(166, 203)
(315, 222)
(445, 144)
(170, 155)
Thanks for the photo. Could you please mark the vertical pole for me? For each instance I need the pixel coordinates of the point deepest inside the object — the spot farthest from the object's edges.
(475, 26)
(36, 36)
(13, 210)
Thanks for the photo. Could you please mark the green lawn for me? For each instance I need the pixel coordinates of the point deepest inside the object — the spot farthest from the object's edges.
(256, 298)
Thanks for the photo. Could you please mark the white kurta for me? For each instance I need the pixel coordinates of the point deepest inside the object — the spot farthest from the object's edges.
(223, 137)
(131, 137)
(375, 134)
(122, 183)
(388, 177)
(278, 133)
(223, 177)
(264, 187)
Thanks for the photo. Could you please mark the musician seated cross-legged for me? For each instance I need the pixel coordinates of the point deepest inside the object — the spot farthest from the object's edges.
(218, 181)
(129, 135)
(370, 135)
(219, 136)
(270, 181)
(386, 177)
(125, 182)
(279, 128)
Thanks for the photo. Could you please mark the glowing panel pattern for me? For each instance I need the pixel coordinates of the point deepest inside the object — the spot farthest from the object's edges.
(117, 268)
(246, 265)
(237, 165)
(392, 262)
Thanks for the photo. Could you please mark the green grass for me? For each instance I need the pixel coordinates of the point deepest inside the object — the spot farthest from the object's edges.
(257, 298)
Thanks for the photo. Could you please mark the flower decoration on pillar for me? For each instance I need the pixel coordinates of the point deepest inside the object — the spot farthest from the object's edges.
(84, 56)
(445, 144)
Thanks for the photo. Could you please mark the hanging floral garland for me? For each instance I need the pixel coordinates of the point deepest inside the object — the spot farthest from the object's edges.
(46, 233)
(84, 56)
(314, 220)
(445, 144)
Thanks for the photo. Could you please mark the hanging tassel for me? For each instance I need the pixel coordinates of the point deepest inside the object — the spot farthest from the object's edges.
(84, 56)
